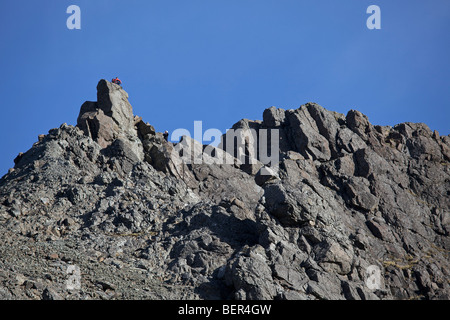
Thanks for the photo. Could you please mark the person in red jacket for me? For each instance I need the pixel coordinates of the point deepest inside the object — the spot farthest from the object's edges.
(117, 81)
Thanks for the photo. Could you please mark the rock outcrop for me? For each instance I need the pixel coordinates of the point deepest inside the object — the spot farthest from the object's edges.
(109, 209)
(110, 118)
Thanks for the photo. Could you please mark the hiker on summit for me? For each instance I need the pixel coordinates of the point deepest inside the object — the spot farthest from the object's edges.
(166, 135)
(117, 81)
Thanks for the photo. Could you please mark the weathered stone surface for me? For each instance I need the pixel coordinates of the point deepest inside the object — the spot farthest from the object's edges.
(274, 117)
(112, 197)
(359, 195)
(250, 276)
(96, 124)
(266, 174)
(306, 136)
(113, 100)
(110, 118)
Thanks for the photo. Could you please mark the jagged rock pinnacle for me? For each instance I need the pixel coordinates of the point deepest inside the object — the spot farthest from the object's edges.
(110, 117)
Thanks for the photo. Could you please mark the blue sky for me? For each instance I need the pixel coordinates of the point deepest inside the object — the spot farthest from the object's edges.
(220, 61)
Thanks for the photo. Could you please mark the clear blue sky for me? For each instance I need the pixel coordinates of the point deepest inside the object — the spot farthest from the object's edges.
(221, 60)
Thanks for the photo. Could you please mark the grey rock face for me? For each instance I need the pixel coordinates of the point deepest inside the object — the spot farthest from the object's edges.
(306, 137)
(112, 199)
(110, 118)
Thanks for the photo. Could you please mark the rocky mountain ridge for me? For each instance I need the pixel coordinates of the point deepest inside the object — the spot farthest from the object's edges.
(353, 211)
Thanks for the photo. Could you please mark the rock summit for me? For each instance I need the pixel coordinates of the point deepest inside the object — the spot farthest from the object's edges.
(106, 210)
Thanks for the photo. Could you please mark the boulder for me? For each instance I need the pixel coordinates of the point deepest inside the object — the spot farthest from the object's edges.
(305, 135)
(274, 117)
